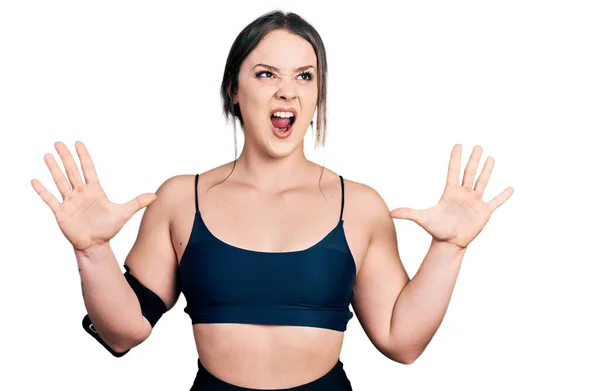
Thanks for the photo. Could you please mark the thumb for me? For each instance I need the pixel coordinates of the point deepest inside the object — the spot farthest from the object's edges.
(405, 214)
(139, 202)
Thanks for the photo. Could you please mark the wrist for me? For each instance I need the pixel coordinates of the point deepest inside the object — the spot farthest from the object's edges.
(94, 254)
(448, 247)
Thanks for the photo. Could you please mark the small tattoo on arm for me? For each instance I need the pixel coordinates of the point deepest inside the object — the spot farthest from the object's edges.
(82, 294)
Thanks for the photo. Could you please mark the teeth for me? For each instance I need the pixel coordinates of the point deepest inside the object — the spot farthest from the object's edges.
(283, 114)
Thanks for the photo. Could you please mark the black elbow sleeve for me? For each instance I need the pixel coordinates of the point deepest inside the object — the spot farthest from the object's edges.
(151, 305)
(88, 326)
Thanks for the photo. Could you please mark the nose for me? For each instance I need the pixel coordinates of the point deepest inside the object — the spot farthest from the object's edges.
(286, 90)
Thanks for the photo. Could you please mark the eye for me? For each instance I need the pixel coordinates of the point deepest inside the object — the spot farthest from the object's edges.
(306, 76)
(259, 73)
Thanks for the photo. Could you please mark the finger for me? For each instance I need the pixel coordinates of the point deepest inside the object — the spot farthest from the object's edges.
(139, 202)
(454, 165)
(500, 198)
(407, 214)
(471, 168)
(87, 165)
(69, 163)
(484, 177)
(48, 198)
(57, 175)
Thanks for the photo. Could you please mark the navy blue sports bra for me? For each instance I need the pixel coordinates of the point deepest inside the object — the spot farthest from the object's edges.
(226, 284)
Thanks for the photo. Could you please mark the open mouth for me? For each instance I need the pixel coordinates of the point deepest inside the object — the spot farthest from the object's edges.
(282, 122)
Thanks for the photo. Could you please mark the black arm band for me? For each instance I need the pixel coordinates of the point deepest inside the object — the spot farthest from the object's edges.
(151, 305)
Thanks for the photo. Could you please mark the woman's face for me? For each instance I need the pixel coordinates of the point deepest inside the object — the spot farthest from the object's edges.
(278, 76)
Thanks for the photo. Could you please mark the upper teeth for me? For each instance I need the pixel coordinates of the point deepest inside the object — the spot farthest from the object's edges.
(283, 114)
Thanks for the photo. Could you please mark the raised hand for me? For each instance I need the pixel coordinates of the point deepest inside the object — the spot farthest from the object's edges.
(86, 216)
(461, 213)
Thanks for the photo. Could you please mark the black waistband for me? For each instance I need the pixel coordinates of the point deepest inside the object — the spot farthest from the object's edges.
(334, 380)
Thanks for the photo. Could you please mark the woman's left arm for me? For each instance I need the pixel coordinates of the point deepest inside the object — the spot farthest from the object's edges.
(401, 315)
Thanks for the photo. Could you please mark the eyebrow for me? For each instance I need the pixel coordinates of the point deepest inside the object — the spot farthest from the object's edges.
(272, 68)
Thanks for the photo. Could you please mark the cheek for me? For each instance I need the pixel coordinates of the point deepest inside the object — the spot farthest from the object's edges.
(255, 95)
(308, 99)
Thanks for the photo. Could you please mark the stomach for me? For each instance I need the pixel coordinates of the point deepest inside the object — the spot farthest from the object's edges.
(267, 356)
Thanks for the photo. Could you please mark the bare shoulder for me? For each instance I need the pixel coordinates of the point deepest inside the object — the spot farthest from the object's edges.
(179, 189)
(171, 189)
(364, 202)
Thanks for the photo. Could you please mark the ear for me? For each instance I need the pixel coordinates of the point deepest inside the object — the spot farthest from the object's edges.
(234, 96)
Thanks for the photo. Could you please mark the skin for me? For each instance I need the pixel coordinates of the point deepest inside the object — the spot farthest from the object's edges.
(273, 203)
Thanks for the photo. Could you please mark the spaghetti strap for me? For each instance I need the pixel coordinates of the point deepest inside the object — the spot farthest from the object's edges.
(196, 193)
(342, 210)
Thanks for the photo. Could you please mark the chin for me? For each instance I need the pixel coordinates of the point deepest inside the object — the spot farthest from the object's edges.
(288, 139)
(282, 151)
(278, 145)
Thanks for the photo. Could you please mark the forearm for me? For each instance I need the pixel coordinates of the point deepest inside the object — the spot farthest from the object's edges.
(110, 302)
(422, 304)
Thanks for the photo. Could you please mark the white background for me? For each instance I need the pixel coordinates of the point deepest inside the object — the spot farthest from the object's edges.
(138, 82)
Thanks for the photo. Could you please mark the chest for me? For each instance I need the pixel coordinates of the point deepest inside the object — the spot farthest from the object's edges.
(285, 223)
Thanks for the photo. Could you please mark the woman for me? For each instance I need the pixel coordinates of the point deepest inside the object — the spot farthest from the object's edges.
(269, 250)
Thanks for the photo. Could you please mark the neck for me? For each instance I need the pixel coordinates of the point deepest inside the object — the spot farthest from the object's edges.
(271, 173)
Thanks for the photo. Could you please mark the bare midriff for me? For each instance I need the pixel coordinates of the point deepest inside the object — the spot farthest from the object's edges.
(267, 356)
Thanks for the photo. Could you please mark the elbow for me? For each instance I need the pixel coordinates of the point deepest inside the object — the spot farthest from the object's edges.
(127, 341)
(123, 344)
(409, 359)
(408, 349)
(406, 357)
(402, 357)
(117, 342)
(405, 353)
(117, 348)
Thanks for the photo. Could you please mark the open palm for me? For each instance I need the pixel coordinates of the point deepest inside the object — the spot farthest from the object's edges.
(86, 216)
(461, 213)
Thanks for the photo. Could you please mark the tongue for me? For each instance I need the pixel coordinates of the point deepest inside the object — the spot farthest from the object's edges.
(280, 122)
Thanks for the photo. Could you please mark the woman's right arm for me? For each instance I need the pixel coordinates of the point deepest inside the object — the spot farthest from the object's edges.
(112, 305)
(117, 303)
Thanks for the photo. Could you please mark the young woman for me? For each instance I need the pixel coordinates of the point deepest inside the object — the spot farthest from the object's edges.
(269, 250)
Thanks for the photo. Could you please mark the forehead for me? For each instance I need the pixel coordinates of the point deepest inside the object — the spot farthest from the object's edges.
(283, 50)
